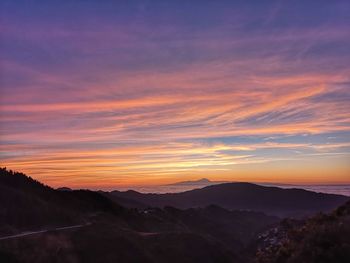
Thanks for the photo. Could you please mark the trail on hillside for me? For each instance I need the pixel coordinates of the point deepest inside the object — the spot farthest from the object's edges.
(23, 234)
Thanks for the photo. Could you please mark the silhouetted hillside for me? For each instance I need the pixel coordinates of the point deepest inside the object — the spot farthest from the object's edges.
(124, 201)
(86, 226)
(320, 239)
(64, 189)
(106, 232)
(241, 196)
(28, 204)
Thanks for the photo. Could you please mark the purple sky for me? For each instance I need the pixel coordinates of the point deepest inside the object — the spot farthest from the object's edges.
(105, 93)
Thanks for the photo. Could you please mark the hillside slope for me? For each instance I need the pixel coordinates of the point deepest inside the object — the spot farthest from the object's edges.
(109, 232)
(241, 196)
(27, 204)
(324, 238)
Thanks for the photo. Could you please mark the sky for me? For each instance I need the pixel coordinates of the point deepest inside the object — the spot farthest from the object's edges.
(101, 94)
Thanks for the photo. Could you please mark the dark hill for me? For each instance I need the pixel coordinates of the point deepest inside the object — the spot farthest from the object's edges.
(64, 189)
(321, 238)
(241, 196)
(108, 232)
(27, 204)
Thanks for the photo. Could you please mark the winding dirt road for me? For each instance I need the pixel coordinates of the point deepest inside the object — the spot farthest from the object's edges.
(23, 234)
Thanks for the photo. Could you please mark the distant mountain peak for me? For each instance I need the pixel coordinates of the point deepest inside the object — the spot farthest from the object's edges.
(202, 181)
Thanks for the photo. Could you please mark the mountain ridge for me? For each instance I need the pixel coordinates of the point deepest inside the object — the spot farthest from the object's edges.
(41, 224)
(242, 196)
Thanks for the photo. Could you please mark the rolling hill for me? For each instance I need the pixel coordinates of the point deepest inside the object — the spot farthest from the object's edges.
(321, 238)
(41, 224)
(238, 196)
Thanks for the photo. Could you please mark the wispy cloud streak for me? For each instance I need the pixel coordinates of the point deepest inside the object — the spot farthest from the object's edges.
(146, 94)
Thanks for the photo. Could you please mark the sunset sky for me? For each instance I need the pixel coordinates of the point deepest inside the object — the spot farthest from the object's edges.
(101, 94)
